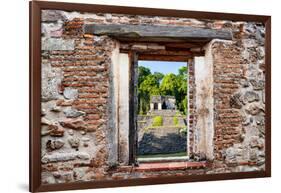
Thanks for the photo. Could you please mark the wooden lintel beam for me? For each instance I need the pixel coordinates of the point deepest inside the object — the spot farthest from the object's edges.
(164, 57)
(184, 45)
(157, 33)
(161, 52)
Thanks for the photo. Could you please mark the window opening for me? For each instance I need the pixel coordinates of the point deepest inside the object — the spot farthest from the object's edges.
(162, 111)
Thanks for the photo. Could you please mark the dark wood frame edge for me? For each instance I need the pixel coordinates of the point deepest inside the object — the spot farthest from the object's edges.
(132, 108)
(35, 95)
(268, 97)
(35, 8)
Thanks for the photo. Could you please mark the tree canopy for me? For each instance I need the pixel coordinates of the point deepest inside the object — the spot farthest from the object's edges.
(159, 84)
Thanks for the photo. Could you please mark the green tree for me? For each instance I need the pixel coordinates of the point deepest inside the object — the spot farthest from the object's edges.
(169, 85)
(160, 84)
(176, 85)
(148, 87)
(159, 76)
(142, 73)
(182, 77)
(183, 105)
(143, 99)
(183, 71)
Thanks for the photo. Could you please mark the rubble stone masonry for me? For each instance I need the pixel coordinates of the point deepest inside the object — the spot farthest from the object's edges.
(77, 141)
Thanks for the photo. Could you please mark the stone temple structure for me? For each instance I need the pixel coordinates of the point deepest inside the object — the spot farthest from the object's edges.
(162, 102)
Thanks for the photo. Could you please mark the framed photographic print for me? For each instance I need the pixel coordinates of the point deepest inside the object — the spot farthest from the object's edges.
(123, 96)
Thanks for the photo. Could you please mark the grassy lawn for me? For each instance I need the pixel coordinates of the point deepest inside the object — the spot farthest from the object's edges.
(179, 154)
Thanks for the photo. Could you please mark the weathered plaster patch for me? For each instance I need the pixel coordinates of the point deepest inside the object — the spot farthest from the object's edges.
(204, 104)
(57, 44)
(124, 108)
(56, 157)
(51, 79)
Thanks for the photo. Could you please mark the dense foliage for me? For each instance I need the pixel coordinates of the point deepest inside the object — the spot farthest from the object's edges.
(175, 120)
(157, 121)
(159, 84)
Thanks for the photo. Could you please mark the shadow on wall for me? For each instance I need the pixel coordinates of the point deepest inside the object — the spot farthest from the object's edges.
(170, 143)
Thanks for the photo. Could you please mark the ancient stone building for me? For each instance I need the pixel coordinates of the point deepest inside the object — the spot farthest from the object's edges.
(88, 93)
(162, 102)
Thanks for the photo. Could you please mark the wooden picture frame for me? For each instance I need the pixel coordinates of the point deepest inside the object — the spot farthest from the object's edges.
(35, 8)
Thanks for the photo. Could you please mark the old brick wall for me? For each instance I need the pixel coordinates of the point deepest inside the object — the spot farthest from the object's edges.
(191, 110)
(78, 126)
(239, 98)
(76, 89)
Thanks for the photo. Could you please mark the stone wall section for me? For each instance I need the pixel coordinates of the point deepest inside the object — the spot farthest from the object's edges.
(192, 146)
(239, 99)
(77, 123)
(76, 100)
(228, 70)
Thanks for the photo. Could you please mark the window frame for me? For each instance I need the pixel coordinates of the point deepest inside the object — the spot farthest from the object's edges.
(35, 8)
(134, 57)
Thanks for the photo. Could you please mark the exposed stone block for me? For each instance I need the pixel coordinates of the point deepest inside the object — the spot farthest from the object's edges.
(73, 113)
(52, 29)
(254, 108)
(63, 176)
(57, 157)
(43, 112)
(45, 121)
(261, 52)
(70, 93)
(257, 84)
(48, 178)
(250, 96)
(56, 130)
(244, 83)
(76, 124)
(74, 142)
(54, 144)
(256, 142)
(250, 43)
(51, 79)
(52, 15)
(260, 120)
(50, 44)
(56, 108)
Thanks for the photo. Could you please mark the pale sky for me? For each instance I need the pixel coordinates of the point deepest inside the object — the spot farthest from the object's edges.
(162, 66)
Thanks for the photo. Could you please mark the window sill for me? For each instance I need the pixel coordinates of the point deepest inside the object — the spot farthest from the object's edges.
(183, 165)
(163, 159)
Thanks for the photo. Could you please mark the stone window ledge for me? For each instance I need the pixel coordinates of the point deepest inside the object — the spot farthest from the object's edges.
(163, 166)
(170, 166)
(163, 159)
